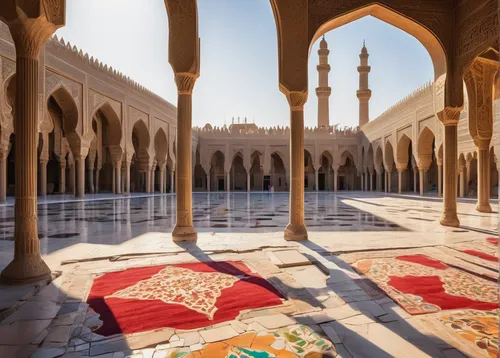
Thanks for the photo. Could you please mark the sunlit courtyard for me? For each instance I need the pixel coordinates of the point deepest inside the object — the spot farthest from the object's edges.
(356, 280)
(249, 179)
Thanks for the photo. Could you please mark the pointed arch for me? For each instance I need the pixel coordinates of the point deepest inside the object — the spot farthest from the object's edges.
(68, 106)
(402, 156)
(388, 154)
(140, 130)
(161, 146)
(425, 142)
(411, 26)
(106, 111)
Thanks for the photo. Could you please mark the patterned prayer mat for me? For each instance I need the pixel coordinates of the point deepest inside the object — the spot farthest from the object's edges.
(478, 327)
(183, 296)
(421, 284)
(480, 252)
(289, 342)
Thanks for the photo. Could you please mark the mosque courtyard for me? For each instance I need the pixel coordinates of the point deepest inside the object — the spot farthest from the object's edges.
(378, 277)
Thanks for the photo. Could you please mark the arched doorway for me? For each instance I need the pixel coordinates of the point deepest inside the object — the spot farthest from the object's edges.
(325, 172)
(406, 165)
(238, 175)
(347, 172)
(200, 177)
(140, 173)
(217, 172)
(390, 166)
(256, 172)
(105, 149)
(62, 138)
(161, 150)
(309, 172)
(427, 163)
(278, 173)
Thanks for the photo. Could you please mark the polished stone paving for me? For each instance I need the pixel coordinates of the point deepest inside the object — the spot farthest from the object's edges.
(82, 239)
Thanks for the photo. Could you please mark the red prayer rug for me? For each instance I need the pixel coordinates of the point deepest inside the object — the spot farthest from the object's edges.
(481, 252)
(421, 284)
(182, 296)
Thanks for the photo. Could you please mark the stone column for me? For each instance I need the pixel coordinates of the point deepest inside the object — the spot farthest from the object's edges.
(483, 177)
(97, 171)
(80, 175)
(335, 179)
(389, 181)
(421, 181)
(440, 179)
(127, 178)
(467, 173)
(162, 179)
(400, 180)
(113, 180)
(148, 180)
(362, 177)
(415, 180)
(371, 181)
(248, 180)
(462, 181)
(72, 178)
(118, 176)
(316, 179)
(228, 181)
(184, 230)
(43, 177)
(30, 32)
(3, 176)
(296, 230)
(90, 177)
(208, 182)
(172, 181)
(62, 176)
(153, 179)
(449, 117)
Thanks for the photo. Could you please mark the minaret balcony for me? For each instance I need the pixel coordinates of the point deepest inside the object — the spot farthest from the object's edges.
(364, 93)
(364, 69)
(323, 91)
(323, 67)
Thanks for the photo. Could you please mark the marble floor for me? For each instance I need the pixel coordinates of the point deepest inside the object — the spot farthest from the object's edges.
(325, 295)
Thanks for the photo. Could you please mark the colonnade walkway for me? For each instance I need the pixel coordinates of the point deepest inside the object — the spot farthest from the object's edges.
(348, 290)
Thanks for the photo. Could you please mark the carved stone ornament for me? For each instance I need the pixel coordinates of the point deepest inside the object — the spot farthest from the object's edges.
(449, 116)
(297, 100)
(185, 82)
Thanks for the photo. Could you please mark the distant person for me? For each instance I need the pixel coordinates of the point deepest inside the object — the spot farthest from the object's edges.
(272, 188)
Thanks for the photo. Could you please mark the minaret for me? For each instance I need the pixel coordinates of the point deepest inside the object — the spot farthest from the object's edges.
(323, 91)
(364, 93)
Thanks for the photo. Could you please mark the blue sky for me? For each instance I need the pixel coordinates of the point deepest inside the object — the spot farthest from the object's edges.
(239, 60)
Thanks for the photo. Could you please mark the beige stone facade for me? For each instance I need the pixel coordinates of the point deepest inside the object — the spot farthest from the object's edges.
(87, 109)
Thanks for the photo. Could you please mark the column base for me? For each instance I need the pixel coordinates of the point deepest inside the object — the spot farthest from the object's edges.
(295, 233)
(450, 219)
(25, 270)
(484, 208)
(184, 233)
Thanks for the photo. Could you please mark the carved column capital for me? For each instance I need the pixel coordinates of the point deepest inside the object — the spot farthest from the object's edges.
(185, 82)
(297, 100)
(449, 116)
(31, 23)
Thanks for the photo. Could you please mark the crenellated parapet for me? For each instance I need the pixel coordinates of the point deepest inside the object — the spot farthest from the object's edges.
(256, 132)
(60, 44)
